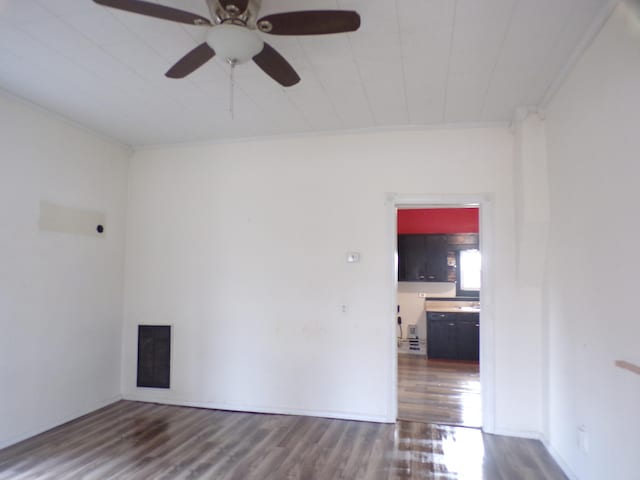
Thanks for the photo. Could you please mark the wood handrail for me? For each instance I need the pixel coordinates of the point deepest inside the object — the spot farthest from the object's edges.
(628, 366)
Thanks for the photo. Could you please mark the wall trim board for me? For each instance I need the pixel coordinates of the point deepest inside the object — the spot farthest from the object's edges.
(61, 420)
(392, 345)
(585, 42)
(248, 408)
(484, 201)
(506, 432)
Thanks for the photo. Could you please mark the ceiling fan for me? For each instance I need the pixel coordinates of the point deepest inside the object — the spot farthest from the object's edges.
(233, 32)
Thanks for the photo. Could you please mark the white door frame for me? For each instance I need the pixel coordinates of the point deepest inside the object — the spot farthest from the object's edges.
(487, 336)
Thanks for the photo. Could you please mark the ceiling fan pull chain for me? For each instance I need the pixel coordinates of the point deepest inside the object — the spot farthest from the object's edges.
(231, 86)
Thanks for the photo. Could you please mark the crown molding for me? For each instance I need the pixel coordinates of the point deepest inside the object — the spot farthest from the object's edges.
(327, 133)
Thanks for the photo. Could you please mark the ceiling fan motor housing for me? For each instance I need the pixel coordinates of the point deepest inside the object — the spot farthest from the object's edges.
(243, 11)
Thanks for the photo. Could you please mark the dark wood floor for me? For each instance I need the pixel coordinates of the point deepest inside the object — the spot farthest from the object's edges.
(445, 392)
(132, 440)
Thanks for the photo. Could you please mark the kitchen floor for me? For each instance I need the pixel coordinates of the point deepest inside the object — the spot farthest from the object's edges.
(445, 392)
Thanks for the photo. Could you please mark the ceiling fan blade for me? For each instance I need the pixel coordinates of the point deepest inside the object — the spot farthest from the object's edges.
(310, 22)
(155, 10)
(191, 61)
(274, 65)
(235, 6)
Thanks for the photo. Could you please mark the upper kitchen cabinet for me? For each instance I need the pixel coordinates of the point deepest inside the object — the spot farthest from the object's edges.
(430, 239)
(422, 258)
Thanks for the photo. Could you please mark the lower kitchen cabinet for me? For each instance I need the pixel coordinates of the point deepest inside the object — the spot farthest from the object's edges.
(453, 335)
(442, 339)
(441, 335)
(468, 336)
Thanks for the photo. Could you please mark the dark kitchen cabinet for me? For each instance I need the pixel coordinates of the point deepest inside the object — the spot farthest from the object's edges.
(422, 258)
(410, 256)
(468, 336)
(453, 335)
(441, 336)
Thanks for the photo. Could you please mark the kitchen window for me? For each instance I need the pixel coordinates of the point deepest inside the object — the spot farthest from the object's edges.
(469, 273)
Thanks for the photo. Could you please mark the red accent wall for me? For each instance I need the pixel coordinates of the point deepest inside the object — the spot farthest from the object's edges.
(438, 220)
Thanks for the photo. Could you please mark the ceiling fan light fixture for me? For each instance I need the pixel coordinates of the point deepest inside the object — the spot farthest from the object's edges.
(235, 43)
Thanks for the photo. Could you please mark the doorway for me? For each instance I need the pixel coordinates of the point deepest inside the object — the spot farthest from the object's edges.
(438, 282)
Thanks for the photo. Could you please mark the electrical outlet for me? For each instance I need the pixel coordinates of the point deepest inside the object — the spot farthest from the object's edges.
(422, 295)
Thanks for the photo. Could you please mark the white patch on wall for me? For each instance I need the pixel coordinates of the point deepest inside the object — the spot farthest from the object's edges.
(57, 218)
(353, 257)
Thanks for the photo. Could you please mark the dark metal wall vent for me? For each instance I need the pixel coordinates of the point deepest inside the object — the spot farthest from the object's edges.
(154, 356)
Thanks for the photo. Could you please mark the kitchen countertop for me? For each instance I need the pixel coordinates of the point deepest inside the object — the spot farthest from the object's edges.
(452, 305)
(453, 299)
(454, 309)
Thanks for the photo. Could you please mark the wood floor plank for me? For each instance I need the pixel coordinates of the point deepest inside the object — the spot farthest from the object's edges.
(132, 440)
(439, 391)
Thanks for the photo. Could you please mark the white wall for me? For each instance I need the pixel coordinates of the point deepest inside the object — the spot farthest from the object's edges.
(242, 248)
(592, 280)
(60, 294)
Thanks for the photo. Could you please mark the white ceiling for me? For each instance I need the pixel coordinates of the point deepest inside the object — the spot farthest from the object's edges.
(413, 62)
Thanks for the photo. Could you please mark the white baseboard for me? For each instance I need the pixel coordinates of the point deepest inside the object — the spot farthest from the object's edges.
(67, 417)
(517, 433)
(261, 409)
(545, 443)
(559, 460)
